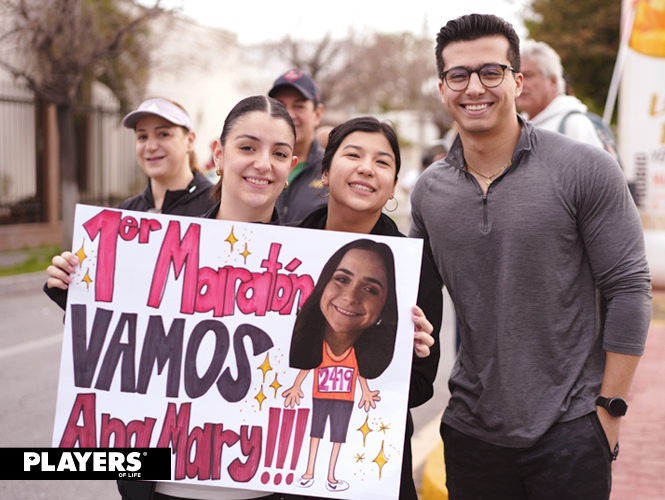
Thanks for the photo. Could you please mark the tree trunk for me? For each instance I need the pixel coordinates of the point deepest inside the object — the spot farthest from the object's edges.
(68, 181)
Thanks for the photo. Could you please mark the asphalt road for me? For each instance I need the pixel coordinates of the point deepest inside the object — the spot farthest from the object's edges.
(30, 344)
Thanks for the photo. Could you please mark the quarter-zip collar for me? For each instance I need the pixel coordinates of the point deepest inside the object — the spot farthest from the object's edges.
(455, 156)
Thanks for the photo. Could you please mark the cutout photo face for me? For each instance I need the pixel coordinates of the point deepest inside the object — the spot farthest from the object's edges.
(355, 295)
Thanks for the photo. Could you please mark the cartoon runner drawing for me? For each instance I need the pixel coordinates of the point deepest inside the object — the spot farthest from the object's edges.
(346, 332)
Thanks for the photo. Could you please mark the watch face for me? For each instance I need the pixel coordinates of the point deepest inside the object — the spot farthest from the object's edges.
(617, 407)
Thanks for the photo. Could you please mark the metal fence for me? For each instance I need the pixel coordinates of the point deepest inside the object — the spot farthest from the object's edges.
(107, 169)
(18, 149)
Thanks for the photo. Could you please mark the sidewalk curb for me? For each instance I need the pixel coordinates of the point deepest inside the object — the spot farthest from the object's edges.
(28, 282)
(433, 486)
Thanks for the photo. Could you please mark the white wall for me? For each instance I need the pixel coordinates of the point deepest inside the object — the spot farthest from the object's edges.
(17, 143)
(201, 69)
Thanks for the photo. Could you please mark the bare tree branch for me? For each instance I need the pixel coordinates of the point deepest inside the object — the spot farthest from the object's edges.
(371, 73)
(60, 47)
(63, 42)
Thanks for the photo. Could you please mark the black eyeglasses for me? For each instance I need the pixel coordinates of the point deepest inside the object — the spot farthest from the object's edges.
(490, 75)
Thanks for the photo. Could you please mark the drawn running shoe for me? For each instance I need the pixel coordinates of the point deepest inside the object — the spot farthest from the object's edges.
(304, 482)
(338, 486)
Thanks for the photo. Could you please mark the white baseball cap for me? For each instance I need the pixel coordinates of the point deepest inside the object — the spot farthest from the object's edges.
(159, 107)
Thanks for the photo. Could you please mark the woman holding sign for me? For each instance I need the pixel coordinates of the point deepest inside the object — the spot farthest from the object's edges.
(253, 157)
(360, 168)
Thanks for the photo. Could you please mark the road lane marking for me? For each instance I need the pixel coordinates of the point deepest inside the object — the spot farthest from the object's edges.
(32, 345)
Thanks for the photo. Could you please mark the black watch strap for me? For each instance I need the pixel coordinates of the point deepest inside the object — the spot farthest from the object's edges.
(616, 407)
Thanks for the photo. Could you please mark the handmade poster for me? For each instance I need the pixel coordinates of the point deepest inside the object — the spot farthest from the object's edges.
(267, 358)
(642, 109)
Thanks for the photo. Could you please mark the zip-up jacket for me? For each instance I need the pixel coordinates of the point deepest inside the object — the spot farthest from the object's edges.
(194, 200)
(301, 198)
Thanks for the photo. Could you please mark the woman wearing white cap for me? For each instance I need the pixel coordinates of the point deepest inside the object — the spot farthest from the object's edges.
(165, 152)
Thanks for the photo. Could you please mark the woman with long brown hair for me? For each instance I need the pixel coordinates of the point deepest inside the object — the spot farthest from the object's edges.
(360, 168)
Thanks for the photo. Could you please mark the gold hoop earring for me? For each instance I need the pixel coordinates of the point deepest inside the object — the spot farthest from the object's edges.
(319, 194)
(396, 204)
(286, 186)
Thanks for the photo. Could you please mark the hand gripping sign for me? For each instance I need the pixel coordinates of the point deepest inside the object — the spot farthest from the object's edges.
(248, 349)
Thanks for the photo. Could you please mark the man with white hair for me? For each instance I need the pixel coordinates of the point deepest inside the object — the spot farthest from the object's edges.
(543, 98)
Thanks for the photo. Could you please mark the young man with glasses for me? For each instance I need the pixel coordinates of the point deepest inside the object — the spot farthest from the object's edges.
(541, 249)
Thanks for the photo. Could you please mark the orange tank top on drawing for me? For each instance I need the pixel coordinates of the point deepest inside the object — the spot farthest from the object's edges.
(336, 379)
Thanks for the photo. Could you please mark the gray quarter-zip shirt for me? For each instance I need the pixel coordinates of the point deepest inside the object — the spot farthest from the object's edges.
(547, 271)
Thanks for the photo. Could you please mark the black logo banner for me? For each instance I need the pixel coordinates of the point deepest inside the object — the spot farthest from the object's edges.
(87, 463)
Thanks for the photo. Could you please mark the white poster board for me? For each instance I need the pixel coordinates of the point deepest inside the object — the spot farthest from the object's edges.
(178, 334)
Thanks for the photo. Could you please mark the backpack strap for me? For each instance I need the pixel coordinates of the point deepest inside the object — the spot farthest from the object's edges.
(562, 125)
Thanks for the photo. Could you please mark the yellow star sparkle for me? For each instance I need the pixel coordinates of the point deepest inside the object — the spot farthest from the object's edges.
(81, 253)
(260, 398)
(384, 428)
(275, 385)
(365, 430)
(87, 279)
(246, 253)
(232, 240)
(359, 458)
(380, 460)
(265, 366)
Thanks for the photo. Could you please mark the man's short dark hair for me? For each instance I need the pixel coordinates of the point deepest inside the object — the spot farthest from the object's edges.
(472, 27)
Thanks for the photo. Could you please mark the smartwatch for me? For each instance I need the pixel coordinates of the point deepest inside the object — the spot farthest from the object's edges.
(616, 407)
